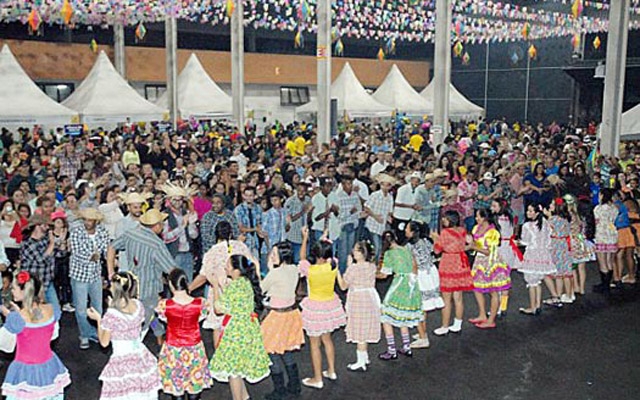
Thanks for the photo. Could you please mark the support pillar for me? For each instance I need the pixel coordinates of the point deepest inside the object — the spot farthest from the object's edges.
(442, 71)
(323, 57)
(614, 77)
(118, 50)
(171, 49)
(237, 64)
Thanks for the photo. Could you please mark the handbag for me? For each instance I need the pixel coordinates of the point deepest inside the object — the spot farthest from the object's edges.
(7, 341)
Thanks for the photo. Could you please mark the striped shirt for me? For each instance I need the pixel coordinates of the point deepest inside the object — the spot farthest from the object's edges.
(148, 256)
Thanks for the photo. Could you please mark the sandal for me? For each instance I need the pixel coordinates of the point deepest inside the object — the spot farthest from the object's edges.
(476, 321)
(485, 325)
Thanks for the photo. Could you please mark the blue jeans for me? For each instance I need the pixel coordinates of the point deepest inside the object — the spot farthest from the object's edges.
(347, 241)
(376, 240)
(316, 235)
(295, 248)
(84, 292)
(184, 261)
(50, 295)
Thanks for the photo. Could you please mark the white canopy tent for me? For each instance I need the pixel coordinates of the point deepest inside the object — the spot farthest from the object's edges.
(398, 94)
(353, 99)
(459, 106)
(198, 95)
(21, 100)
(631, 124)
(105, 97)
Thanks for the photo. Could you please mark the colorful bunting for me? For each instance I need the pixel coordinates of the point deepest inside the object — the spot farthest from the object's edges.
(533, 52)
(466, 58)
(338, 50)
(526, 29)
(66, 11)
(141, 31)
(596, 43)
(380, 54)
(576, 8)
(575, 42)
(457, 49)
(230, 7)
(34, 20)
(93, 46)
(298, 40)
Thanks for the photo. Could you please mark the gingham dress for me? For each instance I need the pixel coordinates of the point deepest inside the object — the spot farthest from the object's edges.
(363, 304)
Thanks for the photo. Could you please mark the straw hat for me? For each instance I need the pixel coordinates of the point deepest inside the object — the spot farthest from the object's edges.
(385, 178)
(501, 172)
(153, 217)
(450, 193)
(429, 176)
(414, 175)
(485, 146)
(134, 197)
(488, 176)
(439, 173)
(175, 190)
(554, 179)
(91, 214)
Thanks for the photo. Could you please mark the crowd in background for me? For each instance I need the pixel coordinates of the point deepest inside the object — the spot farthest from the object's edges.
(134, 221)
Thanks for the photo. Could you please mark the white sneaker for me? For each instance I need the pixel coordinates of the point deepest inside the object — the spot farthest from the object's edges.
(420, 344)
(416, 336)
(68, 308)
(566, 299)
(356, 366)
(442, 331)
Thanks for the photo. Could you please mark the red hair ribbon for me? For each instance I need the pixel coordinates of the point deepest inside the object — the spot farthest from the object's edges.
(23, 277)
(559, 201)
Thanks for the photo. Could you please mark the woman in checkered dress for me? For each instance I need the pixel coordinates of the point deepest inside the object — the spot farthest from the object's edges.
(363, 302)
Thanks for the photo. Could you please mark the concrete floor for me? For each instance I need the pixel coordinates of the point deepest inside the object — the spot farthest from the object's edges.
(588, 350)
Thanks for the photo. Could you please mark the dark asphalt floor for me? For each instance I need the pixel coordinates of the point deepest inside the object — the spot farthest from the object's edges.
(587, 350)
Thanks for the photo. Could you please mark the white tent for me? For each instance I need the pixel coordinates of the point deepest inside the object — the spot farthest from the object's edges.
(459, 106)
(198, 95)
(21, 100)
(398, 94)
(105, 97)
(631, 124)
(352, 98)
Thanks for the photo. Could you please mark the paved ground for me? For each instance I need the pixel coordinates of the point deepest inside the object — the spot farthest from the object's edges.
(588, 350)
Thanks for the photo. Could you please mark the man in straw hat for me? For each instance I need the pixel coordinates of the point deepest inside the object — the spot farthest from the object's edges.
(180, 228)
(88, 244)
(134, 202)
(405, 204)
(36, 254)
(149, 257)
(429, 197)
(378, 210)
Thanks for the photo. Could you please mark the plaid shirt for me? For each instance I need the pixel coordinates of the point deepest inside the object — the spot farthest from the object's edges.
(273, 224)
(208, 227)
(83, 247)
(242, 215)
(483, 190)
(382, 206)
(346, 203)
(430, 200)
(294, 206)
(34, 260)
(69, 165)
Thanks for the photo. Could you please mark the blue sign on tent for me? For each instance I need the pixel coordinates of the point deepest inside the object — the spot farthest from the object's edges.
(73, 130)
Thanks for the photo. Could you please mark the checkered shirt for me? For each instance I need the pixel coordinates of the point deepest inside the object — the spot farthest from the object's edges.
(34, 260)
(81, 268)
(294, 205)
(382, 206)
(242, 215)
(208, 227)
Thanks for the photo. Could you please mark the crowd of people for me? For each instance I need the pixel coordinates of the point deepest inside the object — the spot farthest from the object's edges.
(288, 236)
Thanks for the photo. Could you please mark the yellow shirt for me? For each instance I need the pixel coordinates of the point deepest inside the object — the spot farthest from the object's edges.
(321, 280)
(291, 147)
(300, 144)
(415, 142)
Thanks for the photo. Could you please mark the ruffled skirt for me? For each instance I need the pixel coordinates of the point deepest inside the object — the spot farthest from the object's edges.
(489, 276)
(184, 369)
(282, 331)
(320, 317)
(131, 376)
(36, 381)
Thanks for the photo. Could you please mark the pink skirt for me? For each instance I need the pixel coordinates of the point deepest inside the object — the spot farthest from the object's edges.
(606, 248)
(320, 317)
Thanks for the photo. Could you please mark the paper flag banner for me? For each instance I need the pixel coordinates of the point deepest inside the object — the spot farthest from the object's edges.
(141, 31)
(380, 54)
(596, 43)
(533, 52)
(93, 46)
(66, 11)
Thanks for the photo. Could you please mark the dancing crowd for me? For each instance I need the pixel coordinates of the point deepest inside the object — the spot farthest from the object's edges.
(267, 236)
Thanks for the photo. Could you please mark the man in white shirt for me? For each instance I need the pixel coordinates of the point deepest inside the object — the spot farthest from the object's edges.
(321, 213)
(349, 210)
(378, 210)
(381, 164)
(405, 204)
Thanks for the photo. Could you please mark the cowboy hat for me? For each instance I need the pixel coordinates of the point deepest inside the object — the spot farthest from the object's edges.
(385, 178)
(488, 176)
(439, 173)
(38, 219)
(429, 176)
(153, 217)
(134, 197)
(414, 175)
(91, 214)
(450, 193)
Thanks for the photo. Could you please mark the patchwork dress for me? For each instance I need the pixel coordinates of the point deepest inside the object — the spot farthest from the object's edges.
(428, 278)
(402, 305)
(489, 273)
(561, 246)
(606, 233)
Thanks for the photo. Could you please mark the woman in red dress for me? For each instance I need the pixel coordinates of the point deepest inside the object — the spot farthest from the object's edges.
(454, 271)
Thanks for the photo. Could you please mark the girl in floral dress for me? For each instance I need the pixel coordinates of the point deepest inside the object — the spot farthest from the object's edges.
(401, 307)
(489, 273)
(508, 250)
(558, 218)
(581, 251)
(183, 361)
(282, 328)
(537, 262)
(606, 238)
(214, 263)
(36, 372)
(363, 302)
(428, 279)
(454, 272)
(132, 371)
(322, 311)
(240, 355)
